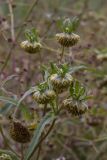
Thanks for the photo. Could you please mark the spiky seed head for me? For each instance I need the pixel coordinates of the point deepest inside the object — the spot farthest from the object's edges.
(5, 156)
(75, 107)
(67, 40)
(61, 83)
(45, 97)
(19, 132)
(31, 47)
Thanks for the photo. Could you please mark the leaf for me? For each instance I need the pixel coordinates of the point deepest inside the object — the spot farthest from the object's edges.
(8, 100)
(13, 156)
(76, 68)
(8, 79)
(54, 68)
(82, 91)
(27, 93)
(4, 109)
(76, 87)
(26, 112)
(37, 134)
(65, 68)
(87, 97)
(71, 90)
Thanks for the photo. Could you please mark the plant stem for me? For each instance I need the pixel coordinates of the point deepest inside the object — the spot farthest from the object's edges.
(43, 138)
(38, 154)
(22, 152)
(17, 36)
(61, 55)
(12, 20)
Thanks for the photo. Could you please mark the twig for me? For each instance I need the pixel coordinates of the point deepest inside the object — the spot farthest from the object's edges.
(61, 55)
(22, 153)
(38, 154)
(12, 19)
(17, 36)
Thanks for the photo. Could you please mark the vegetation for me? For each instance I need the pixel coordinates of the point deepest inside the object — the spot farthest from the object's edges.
(53, 80)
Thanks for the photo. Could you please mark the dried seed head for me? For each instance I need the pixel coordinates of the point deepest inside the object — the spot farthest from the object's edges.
(44, 97)
(67, 40)
(75, 107)
(5, 157)
(60, 83)
(31, 47)
(19, 132)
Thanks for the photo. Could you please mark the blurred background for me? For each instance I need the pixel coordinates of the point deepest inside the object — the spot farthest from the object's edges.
(83, 138)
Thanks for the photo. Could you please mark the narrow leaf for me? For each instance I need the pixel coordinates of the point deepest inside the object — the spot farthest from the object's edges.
(8, 100)
(11, 154)
(37, 134)
(27, 93)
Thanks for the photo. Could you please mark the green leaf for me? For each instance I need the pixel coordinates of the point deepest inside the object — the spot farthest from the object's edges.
(11, 154)
(31, 35)
(76, 87)
(37, 134)
(8, 100)
(71, 90)
(81, 92)
(65, 68)
(6, 108)
(26, 112)
(54, 68)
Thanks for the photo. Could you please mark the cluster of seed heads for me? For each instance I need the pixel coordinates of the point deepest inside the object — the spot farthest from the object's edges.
(58, 79)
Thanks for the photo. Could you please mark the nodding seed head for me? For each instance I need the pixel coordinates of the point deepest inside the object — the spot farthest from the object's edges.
(67, 40)
(75, 107)
(19, 132)
(31, 47)
(45, 97)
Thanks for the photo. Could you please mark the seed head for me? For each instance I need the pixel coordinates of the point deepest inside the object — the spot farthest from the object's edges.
(67, 40)
(60, 83)
(74, 107)
(44, 97)
(31, 48)
(19, 132)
